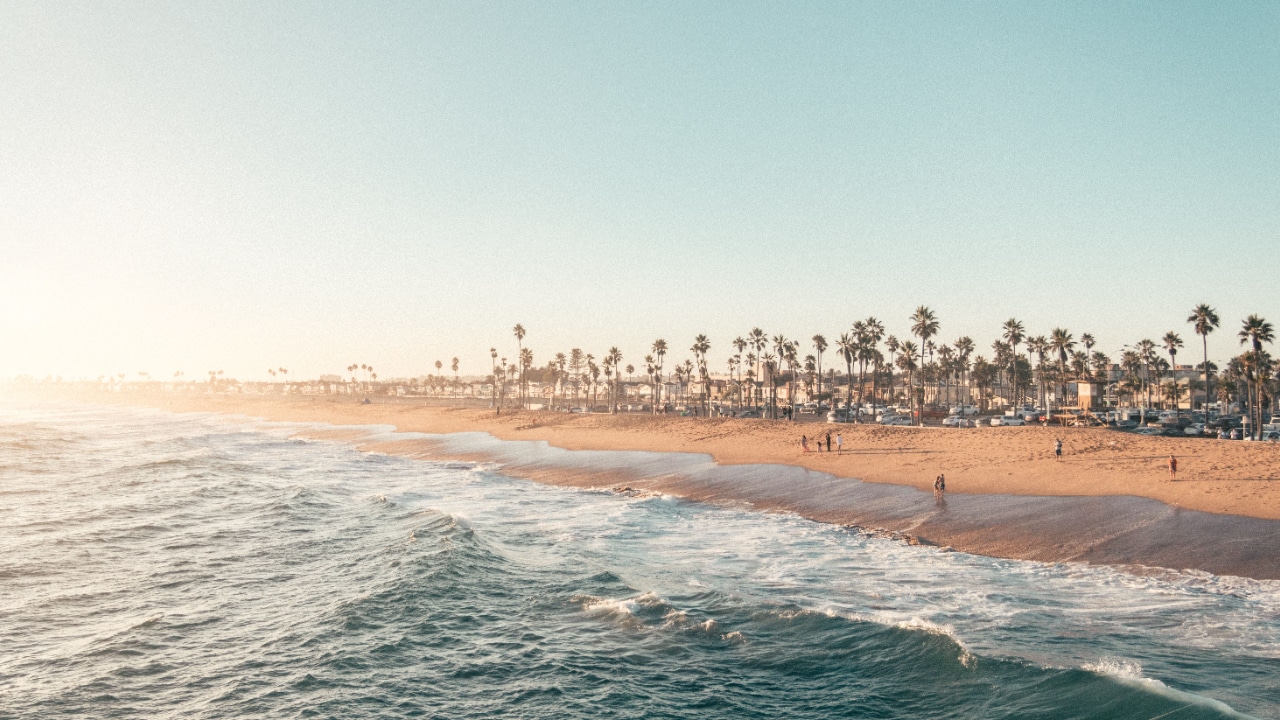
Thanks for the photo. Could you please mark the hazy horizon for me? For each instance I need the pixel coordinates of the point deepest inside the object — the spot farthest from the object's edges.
(306, 186)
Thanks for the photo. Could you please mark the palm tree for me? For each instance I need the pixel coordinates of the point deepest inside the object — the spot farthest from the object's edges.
(607, 366)
(526, 362)
(769, 364)
(1255, 330)
(613, 358)
(891, 344)
(593, 371)
(758, 340)
(847, 347)
(651, 370)
(780, 347)
(700, 347)
(518, 331)
(984, 374)
(819, 344)
(946, 358)
(1223, 387)
(1100, 363)
(493, 362)
(660, 352)
(1205, 320)
(866, 356)
(1039, 345)
(1147, 351)
(1171, 344)
(790, 355)
(739, 344)
(1062, 342)
(561, 362)
(860, 337)
(964, 348)
(737, 364)
(1014, 334)
(907, 364)
(924, 325)
(875, 332)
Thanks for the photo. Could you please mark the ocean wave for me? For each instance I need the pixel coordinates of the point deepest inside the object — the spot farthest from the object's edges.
(1130, 673)
(417, 587)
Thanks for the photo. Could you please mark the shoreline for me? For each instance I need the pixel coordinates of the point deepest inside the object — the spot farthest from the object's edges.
(1113, 504)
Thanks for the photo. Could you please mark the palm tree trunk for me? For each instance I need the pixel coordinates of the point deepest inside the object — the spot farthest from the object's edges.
(848, 400)
(1205, 342)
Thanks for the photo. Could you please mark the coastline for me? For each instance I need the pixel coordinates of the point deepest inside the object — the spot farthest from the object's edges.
(1108, 501)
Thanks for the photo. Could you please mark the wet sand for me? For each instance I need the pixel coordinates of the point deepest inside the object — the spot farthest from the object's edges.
(1109, 500)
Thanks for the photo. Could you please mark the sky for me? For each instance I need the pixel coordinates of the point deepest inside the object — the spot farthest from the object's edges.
(242, 186)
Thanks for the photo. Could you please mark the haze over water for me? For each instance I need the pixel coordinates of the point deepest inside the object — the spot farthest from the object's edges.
(160, 565)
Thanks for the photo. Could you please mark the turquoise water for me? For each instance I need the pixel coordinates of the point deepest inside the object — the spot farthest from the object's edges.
(158, 565)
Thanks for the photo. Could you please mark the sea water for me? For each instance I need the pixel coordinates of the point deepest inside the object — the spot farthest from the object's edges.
(156, 565)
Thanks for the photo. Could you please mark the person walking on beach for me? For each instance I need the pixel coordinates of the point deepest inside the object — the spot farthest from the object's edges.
(1057, 448)
(1173, 468)
(828, 442)
(804, 443)
(839, 443)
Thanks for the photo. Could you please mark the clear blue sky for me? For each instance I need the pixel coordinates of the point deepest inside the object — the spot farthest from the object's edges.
(195, 186)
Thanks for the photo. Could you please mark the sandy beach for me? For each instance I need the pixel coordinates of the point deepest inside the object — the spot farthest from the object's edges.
(1236, 478)
(1109, 499)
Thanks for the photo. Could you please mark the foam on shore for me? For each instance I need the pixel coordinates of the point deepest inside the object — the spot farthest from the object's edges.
(1145, 535)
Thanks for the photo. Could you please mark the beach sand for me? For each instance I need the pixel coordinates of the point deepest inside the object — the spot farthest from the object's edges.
(1109, 499)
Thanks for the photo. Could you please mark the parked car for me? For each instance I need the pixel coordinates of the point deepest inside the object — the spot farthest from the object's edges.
(964, 410)
(1149, 430)
(749, 414)
(1007, 421)
(1194, 429)
(895, 420)
(955, 421)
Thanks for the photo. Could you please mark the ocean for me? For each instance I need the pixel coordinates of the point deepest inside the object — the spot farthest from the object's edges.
(160, 565)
